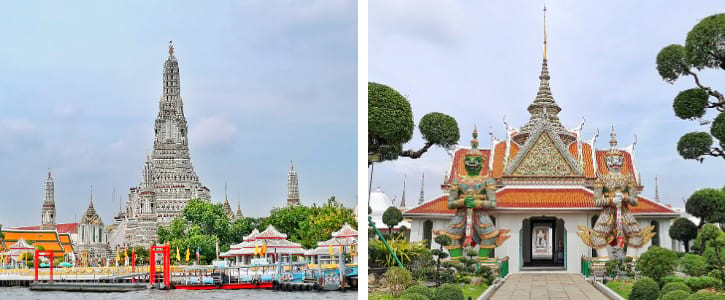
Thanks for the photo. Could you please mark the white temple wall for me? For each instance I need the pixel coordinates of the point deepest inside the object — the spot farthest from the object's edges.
(416, 229)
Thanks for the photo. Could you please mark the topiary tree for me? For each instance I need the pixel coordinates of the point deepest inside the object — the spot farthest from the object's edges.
(676, 295)
(704, 295)
(674, 286)
(644, 289)
(391, 217)
(703, 49)
(657, 262)
(683, 230)
(390, 125)
(705, 204)
(449, 292)
(413, 296)
(443, 240)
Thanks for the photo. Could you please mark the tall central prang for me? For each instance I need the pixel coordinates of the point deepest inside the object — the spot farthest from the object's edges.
(168, 178)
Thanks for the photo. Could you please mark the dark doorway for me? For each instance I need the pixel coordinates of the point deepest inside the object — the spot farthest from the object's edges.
(428, 232)
(543, 243)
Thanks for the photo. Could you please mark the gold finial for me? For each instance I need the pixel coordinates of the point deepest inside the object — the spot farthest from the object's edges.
(171, 47)
(613, 139)
(544, 31)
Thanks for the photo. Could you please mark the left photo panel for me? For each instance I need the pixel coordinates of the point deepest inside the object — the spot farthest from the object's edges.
(179, 149)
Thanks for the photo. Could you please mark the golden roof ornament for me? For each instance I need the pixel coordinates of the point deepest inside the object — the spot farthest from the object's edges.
(171, 48)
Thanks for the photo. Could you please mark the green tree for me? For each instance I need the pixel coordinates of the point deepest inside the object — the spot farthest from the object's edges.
(683, 230)
(322, 222)
(390, 125)
(705, 204)
(287, 220)
(702, 50)
(391, 217)
(657, 262)
(443, 240)
(713, 240)
(201, 225)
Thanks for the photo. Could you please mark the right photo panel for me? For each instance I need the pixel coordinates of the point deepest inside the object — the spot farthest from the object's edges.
(531, 150)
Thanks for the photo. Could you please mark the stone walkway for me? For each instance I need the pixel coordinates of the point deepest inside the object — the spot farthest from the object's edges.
(534, 286)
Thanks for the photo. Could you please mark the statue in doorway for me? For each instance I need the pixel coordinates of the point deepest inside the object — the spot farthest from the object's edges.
(470, 192)
(616, 226)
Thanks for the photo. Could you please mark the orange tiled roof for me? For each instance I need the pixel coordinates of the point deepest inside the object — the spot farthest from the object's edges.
(589, 172)
(437, 206)
(50, 240)
(587, 158)
(498, 157)
(540, 198)
(544, 198)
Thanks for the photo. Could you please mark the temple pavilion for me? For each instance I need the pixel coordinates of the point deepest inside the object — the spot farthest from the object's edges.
(328, 252)
(270, 244)
(543, 179)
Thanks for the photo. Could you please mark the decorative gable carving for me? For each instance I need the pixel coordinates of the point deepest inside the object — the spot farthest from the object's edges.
(544, 154)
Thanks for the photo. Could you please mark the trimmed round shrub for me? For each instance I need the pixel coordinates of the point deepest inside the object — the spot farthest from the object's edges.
(693, 264)
(413, 296)
(390, 121)
(657, 262)
(690, 104)
(674, 286)
(448, 292)
(439, 129)
(645, 289)
(704, 295)
(419, 289)
(702, 282)
(718, 127)
(675, 295)
(694, 144)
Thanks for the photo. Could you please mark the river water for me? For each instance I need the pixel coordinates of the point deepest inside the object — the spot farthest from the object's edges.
(25, 293)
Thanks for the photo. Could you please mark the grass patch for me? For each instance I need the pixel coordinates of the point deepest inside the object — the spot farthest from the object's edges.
(468, 290)
(473, 290)
(623, 288)
(380, 296)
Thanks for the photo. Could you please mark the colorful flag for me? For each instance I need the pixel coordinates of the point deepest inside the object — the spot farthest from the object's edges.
(256, 249)
(198, 249)
(118, 256)
(332, 251)
(187, 253)
(264, 248)
(178, 256)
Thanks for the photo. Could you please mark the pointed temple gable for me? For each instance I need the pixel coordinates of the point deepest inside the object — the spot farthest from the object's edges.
(544, 154)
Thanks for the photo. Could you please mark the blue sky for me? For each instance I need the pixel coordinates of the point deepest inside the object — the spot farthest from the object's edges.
(263, 83)
(479, 61)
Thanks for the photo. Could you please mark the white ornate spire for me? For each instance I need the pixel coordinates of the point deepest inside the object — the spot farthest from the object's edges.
(657, 190)
(48, 210)
(402, 200)
(421, 198)
(293, 190)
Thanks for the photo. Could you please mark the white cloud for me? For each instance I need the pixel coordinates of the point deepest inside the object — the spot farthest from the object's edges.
(212, 130)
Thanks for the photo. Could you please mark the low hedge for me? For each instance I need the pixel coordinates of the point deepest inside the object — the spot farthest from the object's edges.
(675, 295)
(448, 292)
(702, 282)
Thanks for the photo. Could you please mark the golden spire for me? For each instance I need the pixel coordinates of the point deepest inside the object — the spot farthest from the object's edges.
(544, 31)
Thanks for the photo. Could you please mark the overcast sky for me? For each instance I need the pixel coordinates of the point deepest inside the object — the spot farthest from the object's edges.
(479, 61)
(263, 83)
